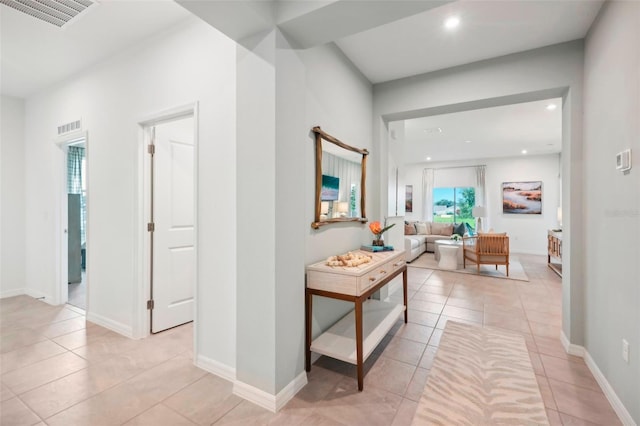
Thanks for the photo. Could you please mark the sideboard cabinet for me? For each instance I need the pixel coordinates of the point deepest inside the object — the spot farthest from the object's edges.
(554, 251)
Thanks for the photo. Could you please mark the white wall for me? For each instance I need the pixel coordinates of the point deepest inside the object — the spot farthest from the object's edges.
(612, 201)
(189, 63)
(527, 233)
(295, 90)
(12, 201)
(256, 214)
(316, 87)
(527, 76)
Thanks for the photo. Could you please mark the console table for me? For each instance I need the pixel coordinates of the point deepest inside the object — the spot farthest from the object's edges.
(554, 251)
(355, 336)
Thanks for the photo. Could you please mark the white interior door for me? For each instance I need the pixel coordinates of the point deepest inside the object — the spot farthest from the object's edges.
(173, 236)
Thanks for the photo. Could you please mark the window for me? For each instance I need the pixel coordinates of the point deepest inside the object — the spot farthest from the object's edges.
(454, 205)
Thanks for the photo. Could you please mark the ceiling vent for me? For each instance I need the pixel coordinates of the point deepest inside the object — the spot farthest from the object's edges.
(69, 127)
(56, 12)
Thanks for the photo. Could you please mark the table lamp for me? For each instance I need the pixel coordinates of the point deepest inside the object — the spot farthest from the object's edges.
(560, 217)
(324, 210)
(343, 208)
(478, 212)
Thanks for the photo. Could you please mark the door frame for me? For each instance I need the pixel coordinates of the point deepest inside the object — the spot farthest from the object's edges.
(61, 295)
(141, 315)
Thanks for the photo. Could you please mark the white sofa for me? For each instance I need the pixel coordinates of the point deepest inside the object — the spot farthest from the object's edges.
(424, 238)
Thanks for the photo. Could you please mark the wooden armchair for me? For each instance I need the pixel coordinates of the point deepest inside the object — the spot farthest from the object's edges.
(486, 249)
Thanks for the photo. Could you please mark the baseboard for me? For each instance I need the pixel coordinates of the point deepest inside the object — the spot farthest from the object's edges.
(266, 400)
(46, 298)
(608, 391)
(612, 397)
(216, 368)
(290, 390)
(570, 348)
(118, 327)
(12, 293)
(534, 252)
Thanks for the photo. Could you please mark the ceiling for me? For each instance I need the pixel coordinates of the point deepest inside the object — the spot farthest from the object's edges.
(487, 29)
(385, 39)
(36, 54)
(495, 132)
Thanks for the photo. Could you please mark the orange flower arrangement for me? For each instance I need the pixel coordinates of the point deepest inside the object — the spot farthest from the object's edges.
(378, 230)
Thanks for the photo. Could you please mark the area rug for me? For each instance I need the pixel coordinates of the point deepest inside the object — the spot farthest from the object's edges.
(481, 376)
(516, 271)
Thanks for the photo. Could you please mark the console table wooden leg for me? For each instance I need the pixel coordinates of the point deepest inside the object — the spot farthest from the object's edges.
(359, 344)
(404, 289)
(308, 304)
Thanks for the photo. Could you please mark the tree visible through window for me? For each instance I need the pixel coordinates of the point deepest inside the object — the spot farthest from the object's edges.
(454, 205)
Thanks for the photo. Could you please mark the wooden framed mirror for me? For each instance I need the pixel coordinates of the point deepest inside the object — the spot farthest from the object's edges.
(341, 172)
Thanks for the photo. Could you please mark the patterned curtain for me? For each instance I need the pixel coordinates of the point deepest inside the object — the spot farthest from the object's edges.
(75, 157)
(427, 195)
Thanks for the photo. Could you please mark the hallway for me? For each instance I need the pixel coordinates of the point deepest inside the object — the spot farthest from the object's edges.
(59, 369)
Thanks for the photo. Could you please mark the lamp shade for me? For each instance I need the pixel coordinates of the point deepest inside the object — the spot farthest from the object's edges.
(324, 207)
(478, 211)
(560, 216)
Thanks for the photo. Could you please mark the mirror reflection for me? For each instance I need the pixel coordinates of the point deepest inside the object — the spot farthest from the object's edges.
(340, 194)
(340, 178)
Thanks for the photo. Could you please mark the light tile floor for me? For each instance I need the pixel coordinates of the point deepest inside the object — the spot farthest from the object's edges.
(58, 369)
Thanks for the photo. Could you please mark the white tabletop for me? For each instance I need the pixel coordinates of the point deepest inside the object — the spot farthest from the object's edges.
(449, 242)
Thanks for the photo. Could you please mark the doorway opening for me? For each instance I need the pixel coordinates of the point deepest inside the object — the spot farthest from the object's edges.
(75, 199)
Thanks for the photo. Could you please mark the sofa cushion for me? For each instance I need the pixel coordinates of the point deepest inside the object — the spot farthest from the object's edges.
(421, 228)
(459, 229)
(413, 243)
(421, 239)
(409, 229)
(445, 229)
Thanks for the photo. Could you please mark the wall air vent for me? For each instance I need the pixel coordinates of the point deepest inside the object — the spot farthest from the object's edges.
(56, 12)
(69, 127)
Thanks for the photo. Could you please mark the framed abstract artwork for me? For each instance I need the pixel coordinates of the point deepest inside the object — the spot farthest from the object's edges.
(522, 197)
(408, 201)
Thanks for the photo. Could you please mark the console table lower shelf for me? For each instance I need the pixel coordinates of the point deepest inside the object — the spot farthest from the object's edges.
(339, 341)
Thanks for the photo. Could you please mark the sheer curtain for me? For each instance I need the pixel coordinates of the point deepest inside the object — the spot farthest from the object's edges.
(427, 194)
(480, 189)
(349, 174)
(75, 157)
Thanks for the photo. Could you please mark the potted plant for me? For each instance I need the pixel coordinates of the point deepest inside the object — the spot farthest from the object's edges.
(378, 230)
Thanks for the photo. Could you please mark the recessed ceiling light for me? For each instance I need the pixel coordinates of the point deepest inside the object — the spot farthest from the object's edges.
(428, 158)
(524, 151)
(451, 22)
(467, 141)
(551, 107)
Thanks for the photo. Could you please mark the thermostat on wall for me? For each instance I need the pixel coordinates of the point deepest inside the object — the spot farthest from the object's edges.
(623, 160)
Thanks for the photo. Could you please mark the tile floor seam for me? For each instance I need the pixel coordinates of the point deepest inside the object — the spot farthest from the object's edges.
(30, 409)
(102, 391)
(164, 405)
(599, 390)
(35, 362)
(226, 412)
(116, 385)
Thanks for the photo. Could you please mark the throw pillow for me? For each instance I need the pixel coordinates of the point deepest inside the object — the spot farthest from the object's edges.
(459, 229)
(428, 225)
(470, 230)
(421, 228)
(445, 229)
(409, 229)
